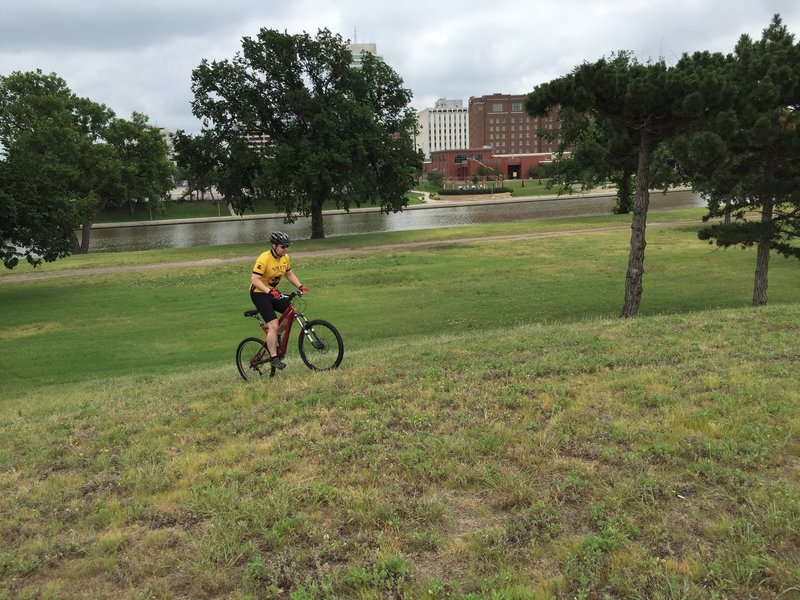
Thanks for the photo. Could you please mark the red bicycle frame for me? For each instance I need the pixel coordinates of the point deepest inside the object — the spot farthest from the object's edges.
(284, 321)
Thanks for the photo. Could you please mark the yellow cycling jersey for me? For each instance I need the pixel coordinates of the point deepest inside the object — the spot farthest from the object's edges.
(271, 269)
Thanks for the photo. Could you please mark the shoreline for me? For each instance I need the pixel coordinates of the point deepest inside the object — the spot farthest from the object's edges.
(344, 251)
(428, 204)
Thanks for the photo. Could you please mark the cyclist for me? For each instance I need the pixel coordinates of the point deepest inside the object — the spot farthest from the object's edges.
(270, 266)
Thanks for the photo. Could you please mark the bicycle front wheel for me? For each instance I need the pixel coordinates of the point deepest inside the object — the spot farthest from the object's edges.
(321, 346)
(252, 359)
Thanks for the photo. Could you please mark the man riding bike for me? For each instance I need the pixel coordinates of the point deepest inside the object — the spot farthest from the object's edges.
(270, 266)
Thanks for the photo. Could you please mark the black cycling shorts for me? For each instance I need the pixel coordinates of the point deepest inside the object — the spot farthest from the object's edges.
(267, 305)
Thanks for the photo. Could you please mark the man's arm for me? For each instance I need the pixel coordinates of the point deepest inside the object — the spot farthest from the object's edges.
(292, 278)
(256, 282)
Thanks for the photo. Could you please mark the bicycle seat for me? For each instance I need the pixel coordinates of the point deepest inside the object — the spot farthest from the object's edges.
(251, 313)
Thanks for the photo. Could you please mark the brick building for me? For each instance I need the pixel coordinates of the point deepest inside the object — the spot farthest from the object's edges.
(463, 165)
(499, 121)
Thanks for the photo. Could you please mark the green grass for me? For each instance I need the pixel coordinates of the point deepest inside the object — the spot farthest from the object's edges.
(519, 188)
(492, 433)
(171, 210)
(114, 323)
(530, 187)
(353, 241)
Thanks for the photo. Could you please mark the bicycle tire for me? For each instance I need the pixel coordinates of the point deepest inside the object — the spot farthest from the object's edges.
(252, 359)
(321, 346)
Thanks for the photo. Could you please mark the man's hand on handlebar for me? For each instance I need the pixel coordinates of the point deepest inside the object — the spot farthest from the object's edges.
(303, 289)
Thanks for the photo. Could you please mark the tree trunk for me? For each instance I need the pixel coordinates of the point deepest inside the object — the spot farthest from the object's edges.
(633, 278)
(317, 228)
(762, 259)
(86, 234)
(624, 194)
(76, 243)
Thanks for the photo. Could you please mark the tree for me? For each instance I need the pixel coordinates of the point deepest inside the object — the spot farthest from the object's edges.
(41, 149)
(336, 133)
(746, 158)
(593, 151)
(147, 174)
(645, 104)
(436, 178)
(62, 158)
(198, 160)
(122, 162)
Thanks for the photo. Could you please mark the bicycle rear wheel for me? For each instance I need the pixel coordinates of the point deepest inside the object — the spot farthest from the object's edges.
(252, 359)
(321, 346)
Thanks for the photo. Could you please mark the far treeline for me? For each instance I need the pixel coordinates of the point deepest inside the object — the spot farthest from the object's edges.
(726, 124)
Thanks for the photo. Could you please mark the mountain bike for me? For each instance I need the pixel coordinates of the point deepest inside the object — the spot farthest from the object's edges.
(320, 343)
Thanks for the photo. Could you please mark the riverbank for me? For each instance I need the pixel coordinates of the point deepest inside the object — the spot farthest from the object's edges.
(428, 203)
(348, 250)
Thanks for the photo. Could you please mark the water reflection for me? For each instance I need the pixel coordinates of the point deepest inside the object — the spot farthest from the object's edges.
(238, 231)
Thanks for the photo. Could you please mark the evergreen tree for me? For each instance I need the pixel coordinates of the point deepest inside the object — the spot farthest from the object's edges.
(746, 161)
(642, 106)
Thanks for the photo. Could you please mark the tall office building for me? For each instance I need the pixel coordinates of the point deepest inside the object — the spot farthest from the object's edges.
(499, 121)
(357, 49)
(443, 127)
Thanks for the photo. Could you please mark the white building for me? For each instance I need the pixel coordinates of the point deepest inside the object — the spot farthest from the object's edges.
(443, 127)
(358, 49)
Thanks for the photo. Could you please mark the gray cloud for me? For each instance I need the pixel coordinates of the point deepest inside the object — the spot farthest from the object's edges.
(138, 55)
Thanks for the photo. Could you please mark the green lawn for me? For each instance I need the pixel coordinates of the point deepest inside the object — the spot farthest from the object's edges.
(355, 241)
(494, 431)
(169, 210)
(112, 323)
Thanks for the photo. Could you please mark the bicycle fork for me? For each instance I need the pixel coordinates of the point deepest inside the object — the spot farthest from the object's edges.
(307, 331)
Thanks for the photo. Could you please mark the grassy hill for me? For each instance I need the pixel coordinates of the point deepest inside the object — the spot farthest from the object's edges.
(520, 446)
(655, 459)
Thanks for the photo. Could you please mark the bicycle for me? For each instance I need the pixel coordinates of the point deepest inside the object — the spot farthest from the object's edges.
(320, 343)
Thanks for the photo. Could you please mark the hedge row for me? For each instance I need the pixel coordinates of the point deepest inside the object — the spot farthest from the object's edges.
(497, 190)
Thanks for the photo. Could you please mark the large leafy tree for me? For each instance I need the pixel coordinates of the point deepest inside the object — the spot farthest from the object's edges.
(198, 161)
(146, 173)
(336, 133)
(43, 146)
(643, 105)
(62, 158)
(746, 161)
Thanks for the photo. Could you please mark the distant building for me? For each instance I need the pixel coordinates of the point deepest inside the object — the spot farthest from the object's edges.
(443, 127)
(358, 49)
(254, 137)
(500, 122)
(168, 136)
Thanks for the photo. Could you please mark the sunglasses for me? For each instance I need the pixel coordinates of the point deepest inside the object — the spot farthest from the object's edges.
(283, 247)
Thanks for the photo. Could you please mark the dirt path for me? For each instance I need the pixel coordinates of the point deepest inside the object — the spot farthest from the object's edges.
(247, 260)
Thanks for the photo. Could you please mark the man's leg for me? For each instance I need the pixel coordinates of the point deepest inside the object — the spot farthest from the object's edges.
(264, 304)
(272, 345)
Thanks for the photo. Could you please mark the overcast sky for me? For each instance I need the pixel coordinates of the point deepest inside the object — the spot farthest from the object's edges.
(138, 55)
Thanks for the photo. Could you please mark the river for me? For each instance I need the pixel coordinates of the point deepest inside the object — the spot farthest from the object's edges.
(232, 230)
